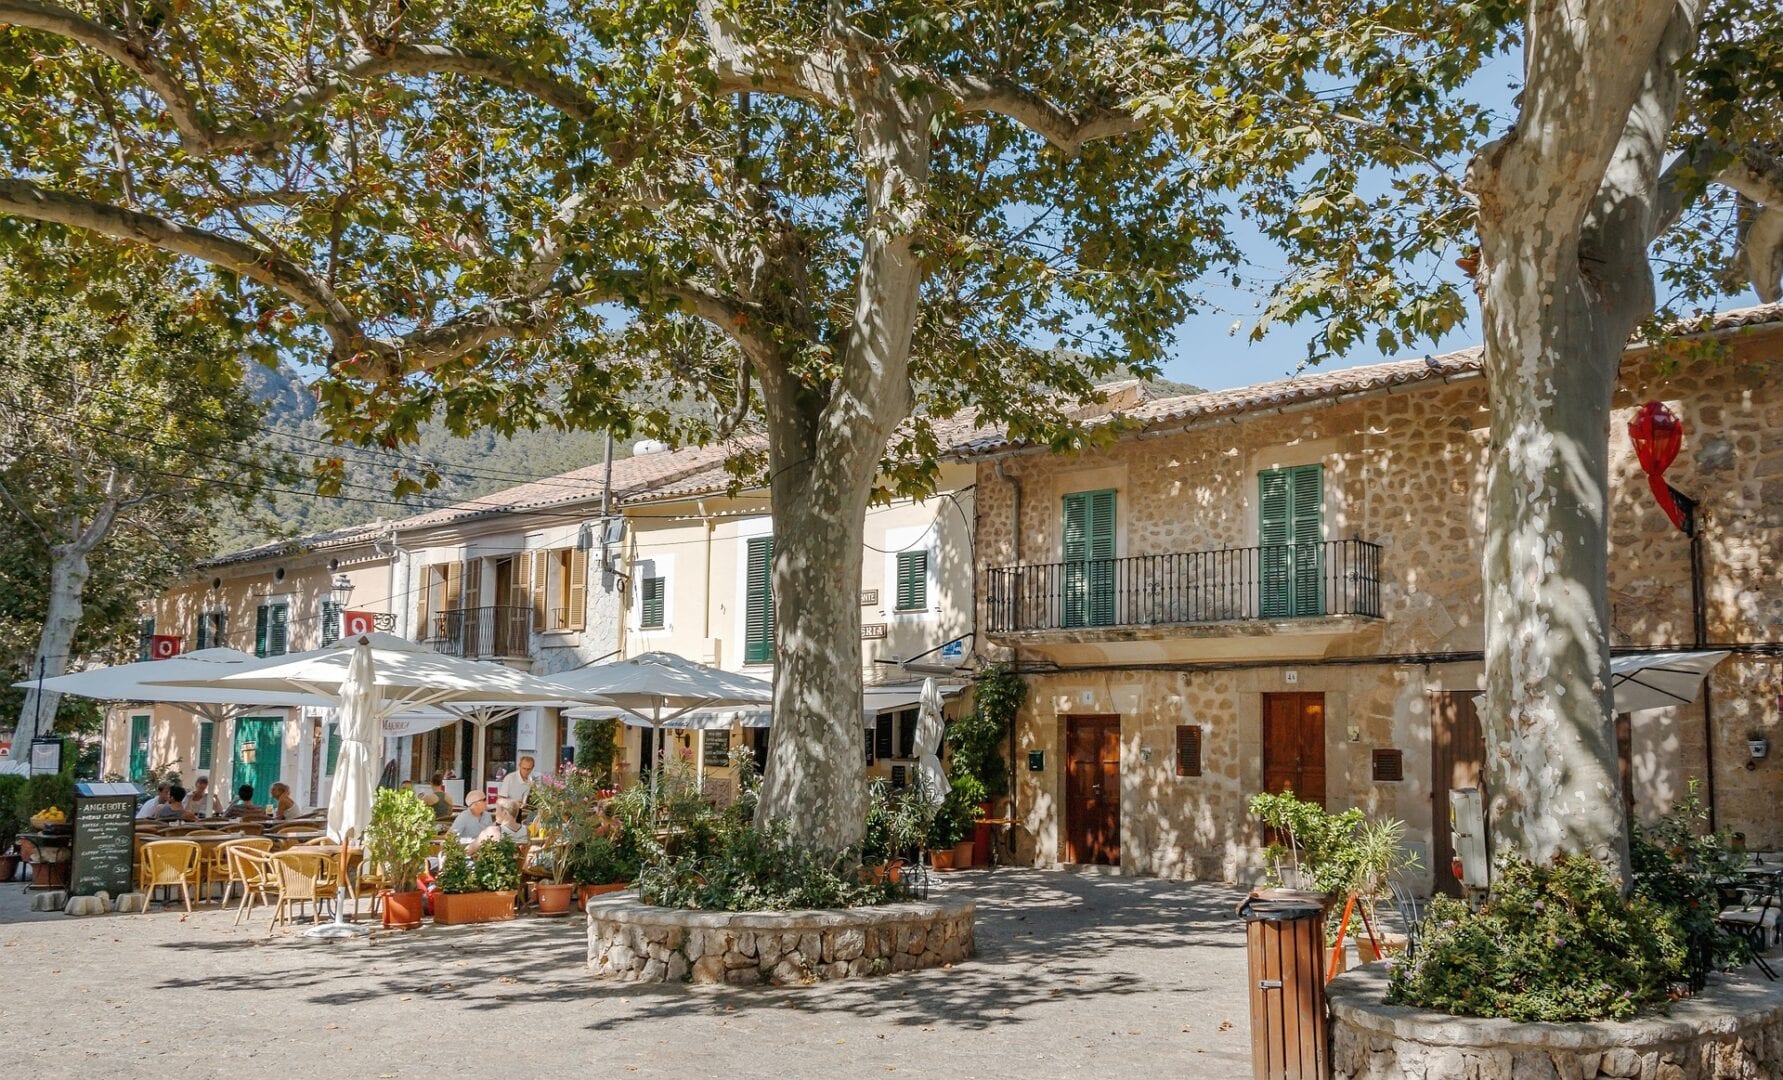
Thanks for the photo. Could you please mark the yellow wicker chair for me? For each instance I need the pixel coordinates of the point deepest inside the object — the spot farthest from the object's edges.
(168, 863)
(253, 869)
(304, 877)
(225, 864)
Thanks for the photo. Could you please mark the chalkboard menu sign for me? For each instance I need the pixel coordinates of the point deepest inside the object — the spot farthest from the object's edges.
(104, 839)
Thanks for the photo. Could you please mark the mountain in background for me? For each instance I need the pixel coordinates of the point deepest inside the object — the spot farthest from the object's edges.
(470, 466)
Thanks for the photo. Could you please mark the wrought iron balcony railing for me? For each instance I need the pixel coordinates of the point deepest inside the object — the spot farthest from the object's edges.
(1284, 581)
(484, 632)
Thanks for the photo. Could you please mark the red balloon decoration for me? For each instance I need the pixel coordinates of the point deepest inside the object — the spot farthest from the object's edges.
(1658, 435)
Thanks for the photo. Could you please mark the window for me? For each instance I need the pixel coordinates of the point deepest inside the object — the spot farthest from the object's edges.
(145, 635)
(1289, 530)
(334, 748)
(331, 622)
(139, 747)
(271, 629)
(913, 581)
(870, 733)
(718, 749)
(883, 744)
(211, 629)
(1088, 576)
(758, 617)
(651, 615)
(564, 585)
(207, 732)
(1188, 749)
(907, 733)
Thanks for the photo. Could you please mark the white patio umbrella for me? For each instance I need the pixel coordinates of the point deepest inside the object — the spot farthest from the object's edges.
(930, 727)
(1655, 680)
(659, 688)
(132, 682)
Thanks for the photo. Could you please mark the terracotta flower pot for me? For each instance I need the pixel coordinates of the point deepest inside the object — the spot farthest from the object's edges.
(453, 909)
(941, 858)
(9, 868)
(1391, 944)
(402, 910)
(554, 899)
(894, 871)
(583, 892)
(962, 855)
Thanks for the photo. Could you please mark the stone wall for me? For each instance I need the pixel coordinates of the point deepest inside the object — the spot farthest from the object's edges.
(635, 942)
(1731, 1031)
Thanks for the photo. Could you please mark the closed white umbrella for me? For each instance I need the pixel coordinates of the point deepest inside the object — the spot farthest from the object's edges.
(659, 688)
(356, 766)
(930, 727)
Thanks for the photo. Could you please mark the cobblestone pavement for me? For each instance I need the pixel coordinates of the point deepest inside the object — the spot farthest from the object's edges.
(1077, 974)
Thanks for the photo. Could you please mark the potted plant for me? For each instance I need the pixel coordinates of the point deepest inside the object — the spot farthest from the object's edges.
(479, 890)
(396, 845)
(1311, 856)
(601, 865)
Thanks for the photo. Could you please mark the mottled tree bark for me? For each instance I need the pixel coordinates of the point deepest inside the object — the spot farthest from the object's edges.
(69, 569)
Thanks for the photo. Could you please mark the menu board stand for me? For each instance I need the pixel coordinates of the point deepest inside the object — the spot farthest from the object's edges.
(104, 839)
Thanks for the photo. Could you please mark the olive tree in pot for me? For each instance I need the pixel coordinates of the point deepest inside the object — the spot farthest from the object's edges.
(396, 844)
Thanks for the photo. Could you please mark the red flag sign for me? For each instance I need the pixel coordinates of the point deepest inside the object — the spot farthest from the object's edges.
(354, 623)
(164, 646)
(1657, 434)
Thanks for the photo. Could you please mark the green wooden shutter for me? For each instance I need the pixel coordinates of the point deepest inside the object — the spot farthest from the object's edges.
(1089, 571)
(652, 615)
(261, 624)
(139, 747)
(913, 580)
(278, 629)
(1289, 532)
(206, 736)
(203, 634)
(331, 622)
(1307, 510)
(758, 619)
(145, 630)
(334, 747)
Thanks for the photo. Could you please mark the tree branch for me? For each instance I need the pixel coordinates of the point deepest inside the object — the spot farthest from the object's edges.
(741, 67)
(1068, 132)
(24, 515)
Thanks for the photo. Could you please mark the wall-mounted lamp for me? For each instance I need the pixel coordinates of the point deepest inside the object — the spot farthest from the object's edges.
(247, 753)
(1757, 746)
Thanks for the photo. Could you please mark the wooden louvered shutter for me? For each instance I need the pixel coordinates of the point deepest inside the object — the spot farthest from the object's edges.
(1307, 509)
(577, 597)
(454, 586)
(145, 632)
(1089, 581)
(423, 586)
(202, 636)
(651, 615)
(262, 620)
(1275, 525)
(278, 627)
(541, 574)
(1188, 749)
(473, 583)
(913, 580)
(758, 618)
(883, 743)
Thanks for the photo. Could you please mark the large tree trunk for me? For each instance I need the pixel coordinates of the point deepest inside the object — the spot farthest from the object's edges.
(68, 578)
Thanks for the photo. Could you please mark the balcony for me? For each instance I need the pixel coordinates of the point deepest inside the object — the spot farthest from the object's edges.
(484, 633)
(1259, 585)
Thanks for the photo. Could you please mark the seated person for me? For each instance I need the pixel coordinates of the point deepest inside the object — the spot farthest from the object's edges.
(473, 820)
(508, 824)
(442, 802)
(151, 810)
(283, 806)
(244, 806)
(201, 803)
(174, 809)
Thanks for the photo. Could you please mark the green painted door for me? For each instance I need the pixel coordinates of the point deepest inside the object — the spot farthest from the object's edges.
(262, 738)
(139, 747)
(1290, 528)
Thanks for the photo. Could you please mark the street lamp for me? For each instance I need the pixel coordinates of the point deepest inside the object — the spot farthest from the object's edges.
(341, 590)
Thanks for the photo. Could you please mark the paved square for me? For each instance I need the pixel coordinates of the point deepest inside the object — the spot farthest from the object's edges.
(1077, 974)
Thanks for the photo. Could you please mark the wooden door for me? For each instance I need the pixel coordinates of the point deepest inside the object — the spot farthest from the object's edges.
(1458, 757)
(261, 739)
(1093, 789)
(1294, 745)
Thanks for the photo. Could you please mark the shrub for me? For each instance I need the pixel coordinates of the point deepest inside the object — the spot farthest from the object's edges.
(397, 839)
(601, 861)
(1678, 865)
(1553, 943)
(751, 868)
(12, 815)
(979, 739)
(43, 792)
(455, 874)
(497, 865)
(897, 821)
(596, 747)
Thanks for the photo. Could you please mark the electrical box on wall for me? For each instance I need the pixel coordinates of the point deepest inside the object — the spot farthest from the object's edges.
(1036, 761)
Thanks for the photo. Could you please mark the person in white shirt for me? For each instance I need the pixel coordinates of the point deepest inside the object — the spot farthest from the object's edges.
(468, 826)
(201, 803)
(152, 808)
(515, 787)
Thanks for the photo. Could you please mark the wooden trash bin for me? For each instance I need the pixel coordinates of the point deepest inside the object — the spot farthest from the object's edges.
(1285, 942)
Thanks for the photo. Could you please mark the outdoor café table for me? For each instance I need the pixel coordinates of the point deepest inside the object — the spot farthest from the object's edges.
(290, 838)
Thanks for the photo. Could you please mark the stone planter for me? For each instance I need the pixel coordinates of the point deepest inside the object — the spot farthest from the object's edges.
(1733, 1030)
(632, 941)
(453, 909)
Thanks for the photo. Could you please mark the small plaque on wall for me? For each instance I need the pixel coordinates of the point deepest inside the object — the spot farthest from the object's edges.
(869, 597)
(872, 631)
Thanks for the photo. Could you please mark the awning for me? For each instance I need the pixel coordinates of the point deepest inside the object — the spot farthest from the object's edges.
(880, 699)
(1656, 680)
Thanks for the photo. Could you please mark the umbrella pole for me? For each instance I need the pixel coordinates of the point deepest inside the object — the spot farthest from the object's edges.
(340, 929)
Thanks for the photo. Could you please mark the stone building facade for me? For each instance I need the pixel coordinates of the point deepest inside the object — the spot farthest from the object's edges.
(1179, 665)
